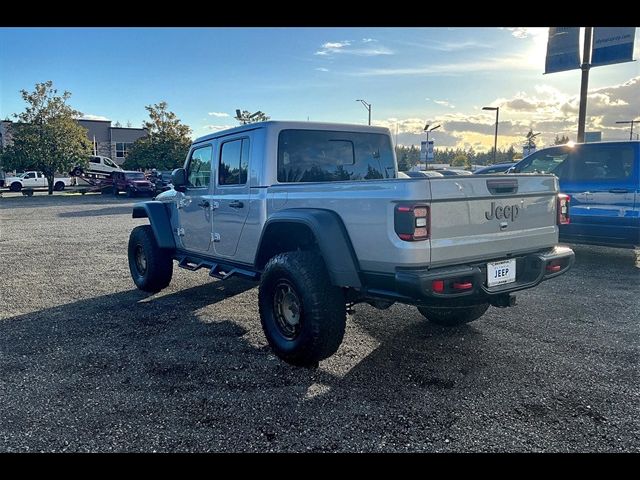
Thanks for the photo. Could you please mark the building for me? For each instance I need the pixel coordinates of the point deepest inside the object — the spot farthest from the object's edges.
(108, 141)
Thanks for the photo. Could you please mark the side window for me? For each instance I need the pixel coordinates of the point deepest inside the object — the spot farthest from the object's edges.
(603, 163)
(544, 161)
(200, 167)
(95, 160)
(234, 162)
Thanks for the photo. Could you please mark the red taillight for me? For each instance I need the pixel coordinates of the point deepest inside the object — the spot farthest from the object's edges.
(412, 222)
(462, 285)
(554, 266)
(563, 209)
(437, 286)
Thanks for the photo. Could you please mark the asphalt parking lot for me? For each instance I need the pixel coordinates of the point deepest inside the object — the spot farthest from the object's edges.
(89, 363)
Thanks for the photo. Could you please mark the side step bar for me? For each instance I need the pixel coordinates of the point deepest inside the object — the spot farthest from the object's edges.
(217, 270)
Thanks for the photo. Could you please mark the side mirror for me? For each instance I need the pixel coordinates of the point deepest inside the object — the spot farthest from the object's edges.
(179, 179)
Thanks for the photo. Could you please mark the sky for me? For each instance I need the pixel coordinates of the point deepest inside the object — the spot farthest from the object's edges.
(410, 76)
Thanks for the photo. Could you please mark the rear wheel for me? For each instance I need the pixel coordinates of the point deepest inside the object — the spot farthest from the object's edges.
(151, 267)
(453, 316)
(59, 186)
(15, 187)
(303, 315)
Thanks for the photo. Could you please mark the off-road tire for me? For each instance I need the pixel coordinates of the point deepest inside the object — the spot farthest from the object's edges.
(159, 264)
(130, 193)
(322, 316)
(453, 316)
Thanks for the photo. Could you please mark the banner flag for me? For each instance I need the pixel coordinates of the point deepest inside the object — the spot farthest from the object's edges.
(562, 49)
(612, 45)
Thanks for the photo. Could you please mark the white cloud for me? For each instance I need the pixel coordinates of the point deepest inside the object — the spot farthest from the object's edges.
(526, 32)
(507, 63)
(219, 114)
(368, 40)
(322, 69)
(217, 128)
(88, 116)
(444, 103)
(456, 46)
(545, 110)
(346, 47)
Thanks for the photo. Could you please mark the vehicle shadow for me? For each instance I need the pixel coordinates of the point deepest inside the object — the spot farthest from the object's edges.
(119, 210)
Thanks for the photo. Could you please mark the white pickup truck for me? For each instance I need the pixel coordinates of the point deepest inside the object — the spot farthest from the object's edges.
(35, 179)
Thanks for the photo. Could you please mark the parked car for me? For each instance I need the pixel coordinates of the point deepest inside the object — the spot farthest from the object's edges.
(134, 183)
(2, 177)
(97, 164)
(424, 173)
(35, 179)
(452, 171)
(495, 168)
(603, 181)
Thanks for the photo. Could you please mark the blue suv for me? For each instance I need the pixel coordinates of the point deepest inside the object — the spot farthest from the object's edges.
(603, 182)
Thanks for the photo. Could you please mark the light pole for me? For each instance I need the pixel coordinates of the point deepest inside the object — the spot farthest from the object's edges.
(367, 106)
(631, 122)
(427, 129)
(495, 140)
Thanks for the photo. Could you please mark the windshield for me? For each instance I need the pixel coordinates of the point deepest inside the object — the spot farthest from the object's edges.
(544, 161)
(135, 176)
(109, 163)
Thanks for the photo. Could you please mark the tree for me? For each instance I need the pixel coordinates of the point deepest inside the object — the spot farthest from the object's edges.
(461, 160)
(246, 117)
(166, 144)
(46, 136)
(117, 124)
(561, 140)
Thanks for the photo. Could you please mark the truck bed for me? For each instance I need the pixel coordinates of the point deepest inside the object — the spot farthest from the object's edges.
(462, 226)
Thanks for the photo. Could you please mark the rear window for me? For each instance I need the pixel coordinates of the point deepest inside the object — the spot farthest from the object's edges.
(330, 156)
(136, 176)
(606, 163)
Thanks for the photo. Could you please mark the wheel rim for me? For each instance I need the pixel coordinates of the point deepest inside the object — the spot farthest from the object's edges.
(287, 309)
(141, 260)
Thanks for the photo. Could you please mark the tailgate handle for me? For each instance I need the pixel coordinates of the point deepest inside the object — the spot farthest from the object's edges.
(498, 186)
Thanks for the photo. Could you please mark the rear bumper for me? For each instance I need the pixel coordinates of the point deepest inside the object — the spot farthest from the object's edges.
(416, 285)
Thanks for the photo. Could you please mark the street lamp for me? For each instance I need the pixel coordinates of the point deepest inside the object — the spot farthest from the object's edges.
(427, 129)
(631, 122)
(495, 140)
(367, 106)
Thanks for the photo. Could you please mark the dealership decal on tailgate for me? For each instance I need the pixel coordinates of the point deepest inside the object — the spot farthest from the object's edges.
(499, 273)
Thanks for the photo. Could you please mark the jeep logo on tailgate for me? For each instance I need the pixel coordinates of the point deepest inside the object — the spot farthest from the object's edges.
(510, 212)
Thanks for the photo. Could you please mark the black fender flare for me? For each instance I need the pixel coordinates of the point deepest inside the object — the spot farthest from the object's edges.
(158, 216)
(332, 239)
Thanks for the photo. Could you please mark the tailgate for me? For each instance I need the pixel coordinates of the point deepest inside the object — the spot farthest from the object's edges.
(486, 217)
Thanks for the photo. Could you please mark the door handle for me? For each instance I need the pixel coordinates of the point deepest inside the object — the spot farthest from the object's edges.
(618, 190)
(204, 204)
(236, 204)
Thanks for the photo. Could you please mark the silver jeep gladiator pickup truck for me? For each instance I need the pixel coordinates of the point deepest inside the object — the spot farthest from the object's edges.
(317, 213)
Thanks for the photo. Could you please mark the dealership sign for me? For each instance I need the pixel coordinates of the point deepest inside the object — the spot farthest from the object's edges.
(612, 45)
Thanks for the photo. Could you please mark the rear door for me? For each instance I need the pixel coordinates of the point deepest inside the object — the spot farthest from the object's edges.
(232, 193)
(602, 180)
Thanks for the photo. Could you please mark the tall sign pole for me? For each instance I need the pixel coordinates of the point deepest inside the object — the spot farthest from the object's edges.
(584, 85)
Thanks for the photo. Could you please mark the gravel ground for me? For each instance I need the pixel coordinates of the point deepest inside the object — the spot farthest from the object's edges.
(88, 363)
